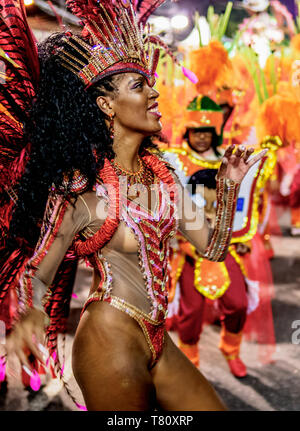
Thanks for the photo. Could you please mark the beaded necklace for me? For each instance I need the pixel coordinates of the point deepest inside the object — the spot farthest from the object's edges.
(144, 175)
(121, 171)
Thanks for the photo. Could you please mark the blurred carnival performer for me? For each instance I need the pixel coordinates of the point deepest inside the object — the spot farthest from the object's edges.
(277, 120)
(235, 283)
(202, 141)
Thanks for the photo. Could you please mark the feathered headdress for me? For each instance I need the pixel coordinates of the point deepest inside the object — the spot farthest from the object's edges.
(117, 39)
(211, 65)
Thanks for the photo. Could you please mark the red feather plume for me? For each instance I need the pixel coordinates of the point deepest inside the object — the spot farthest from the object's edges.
(19, 78)
(19, 75)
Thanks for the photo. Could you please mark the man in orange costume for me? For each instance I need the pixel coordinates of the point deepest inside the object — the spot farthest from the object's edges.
(223, 280)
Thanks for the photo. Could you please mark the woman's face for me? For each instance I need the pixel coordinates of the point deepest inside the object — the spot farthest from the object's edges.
(134, 105)
(200, 140)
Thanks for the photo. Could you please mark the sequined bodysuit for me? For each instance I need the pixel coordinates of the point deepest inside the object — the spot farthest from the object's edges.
(144, 294)
(130, 265)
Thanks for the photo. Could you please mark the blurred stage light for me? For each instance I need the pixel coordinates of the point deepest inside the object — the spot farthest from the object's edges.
(28, 2)
(179, 22)
(160, 22)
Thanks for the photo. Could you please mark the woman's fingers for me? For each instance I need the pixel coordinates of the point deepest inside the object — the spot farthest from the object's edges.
(247, 154)
(39, 335)
(15, 345)
(243, 153)
(239, 151)
(29, 338)
(23, 358)
(256, 158)
(231, 158)
(235, 157)
(229, 151)
(223, 168)
(236, 164)
(25, 339)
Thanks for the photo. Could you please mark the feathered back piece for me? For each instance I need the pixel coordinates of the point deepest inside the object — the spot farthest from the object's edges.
(279, 116)
(116, 40)
(19, 75)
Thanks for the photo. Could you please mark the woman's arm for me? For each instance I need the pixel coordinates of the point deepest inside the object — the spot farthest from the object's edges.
(62, 221)
(213, 243)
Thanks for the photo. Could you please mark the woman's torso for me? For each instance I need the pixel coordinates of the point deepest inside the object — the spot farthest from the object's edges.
(133, 265)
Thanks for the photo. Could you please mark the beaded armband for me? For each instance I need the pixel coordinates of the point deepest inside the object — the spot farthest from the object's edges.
(227, 192)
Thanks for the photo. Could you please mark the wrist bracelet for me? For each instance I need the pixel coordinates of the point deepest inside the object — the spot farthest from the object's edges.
(227, 193)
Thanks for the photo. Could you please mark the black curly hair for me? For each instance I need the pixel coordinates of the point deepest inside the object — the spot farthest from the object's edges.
(65, 129)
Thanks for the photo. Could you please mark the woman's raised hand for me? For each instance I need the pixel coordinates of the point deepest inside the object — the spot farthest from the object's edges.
(27, 337)
(236, 164)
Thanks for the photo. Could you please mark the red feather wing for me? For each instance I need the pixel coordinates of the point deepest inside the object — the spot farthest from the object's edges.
(19, 73)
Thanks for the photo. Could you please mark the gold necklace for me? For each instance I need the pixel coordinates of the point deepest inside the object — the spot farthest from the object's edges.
(121, 171)
(144, 175)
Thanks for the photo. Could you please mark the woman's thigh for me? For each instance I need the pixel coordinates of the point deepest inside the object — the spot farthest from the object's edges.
(110, 361)
(180, 385)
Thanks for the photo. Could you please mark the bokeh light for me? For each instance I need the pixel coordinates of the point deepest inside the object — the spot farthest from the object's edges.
(179, 22)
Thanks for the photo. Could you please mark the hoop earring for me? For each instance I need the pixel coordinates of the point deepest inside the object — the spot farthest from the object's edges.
(111, 129)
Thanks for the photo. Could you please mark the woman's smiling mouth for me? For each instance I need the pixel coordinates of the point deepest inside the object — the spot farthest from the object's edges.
(154, 110)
